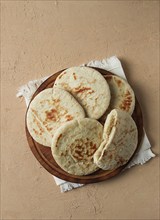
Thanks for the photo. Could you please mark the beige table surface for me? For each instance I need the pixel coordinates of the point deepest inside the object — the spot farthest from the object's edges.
(42, 37)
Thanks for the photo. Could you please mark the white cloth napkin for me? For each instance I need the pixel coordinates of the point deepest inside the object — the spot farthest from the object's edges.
(113, 65)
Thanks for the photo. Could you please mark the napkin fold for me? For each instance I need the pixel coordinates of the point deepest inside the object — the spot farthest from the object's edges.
(113, 65)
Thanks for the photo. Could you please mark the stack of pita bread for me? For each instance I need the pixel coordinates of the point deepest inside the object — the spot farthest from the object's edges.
(67, 118)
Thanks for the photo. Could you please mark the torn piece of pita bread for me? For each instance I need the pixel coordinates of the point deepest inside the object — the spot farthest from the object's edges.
(120, 138)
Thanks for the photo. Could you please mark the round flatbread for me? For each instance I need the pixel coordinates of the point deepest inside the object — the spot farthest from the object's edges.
(74, 145)
(50, 109)
(122, 95)
(120, 138)
(89, 88)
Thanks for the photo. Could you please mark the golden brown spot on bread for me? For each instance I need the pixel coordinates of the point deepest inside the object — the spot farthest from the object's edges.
(79, 147)
(42, 102)
(83, 89)
(120, 160)
(41, 129)
(36, 132)
(127, 93)
(79, 153)
(64, 154)
(59, 137)
(82, 150)
(93, 81)
(38, 125)
(49, 129)
(69, 117)
(34, 111)
(74, 76)
(65, 86)
(132, 130)
(125, 105)
(94, 147)
(119, 142)
(91, 92)
(92, 150)
(105, 153)
(77, 88)
(60, 76)
(56, 100)
(119, 82)
(100, 135)
(51, 115)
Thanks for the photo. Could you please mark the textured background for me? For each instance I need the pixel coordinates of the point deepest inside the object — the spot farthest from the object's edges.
(42, 37)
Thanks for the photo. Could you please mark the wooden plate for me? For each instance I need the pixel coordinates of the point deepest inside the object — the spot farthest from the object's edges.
(44, 156)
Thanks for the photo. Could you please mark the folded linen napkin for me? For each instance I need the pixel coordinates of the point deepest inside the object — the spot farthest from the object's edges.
(113, 65)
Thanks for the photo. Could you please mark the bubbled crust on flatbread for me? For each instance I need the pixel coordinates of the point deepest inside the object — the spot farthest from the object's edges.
(89, 88)
(74, 145)
(48, 110)
(120, 138)
(122, 95)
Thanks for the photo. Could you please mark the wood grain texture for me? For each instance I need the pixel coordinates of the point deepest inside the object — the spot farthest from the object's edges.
(44, 156)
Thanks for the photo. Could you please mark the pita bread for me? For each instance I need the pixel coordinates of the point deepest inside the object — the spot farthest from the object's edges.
(89, 88)
(120, 138)
(48, 110)
(74, 144)
(122, 95)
